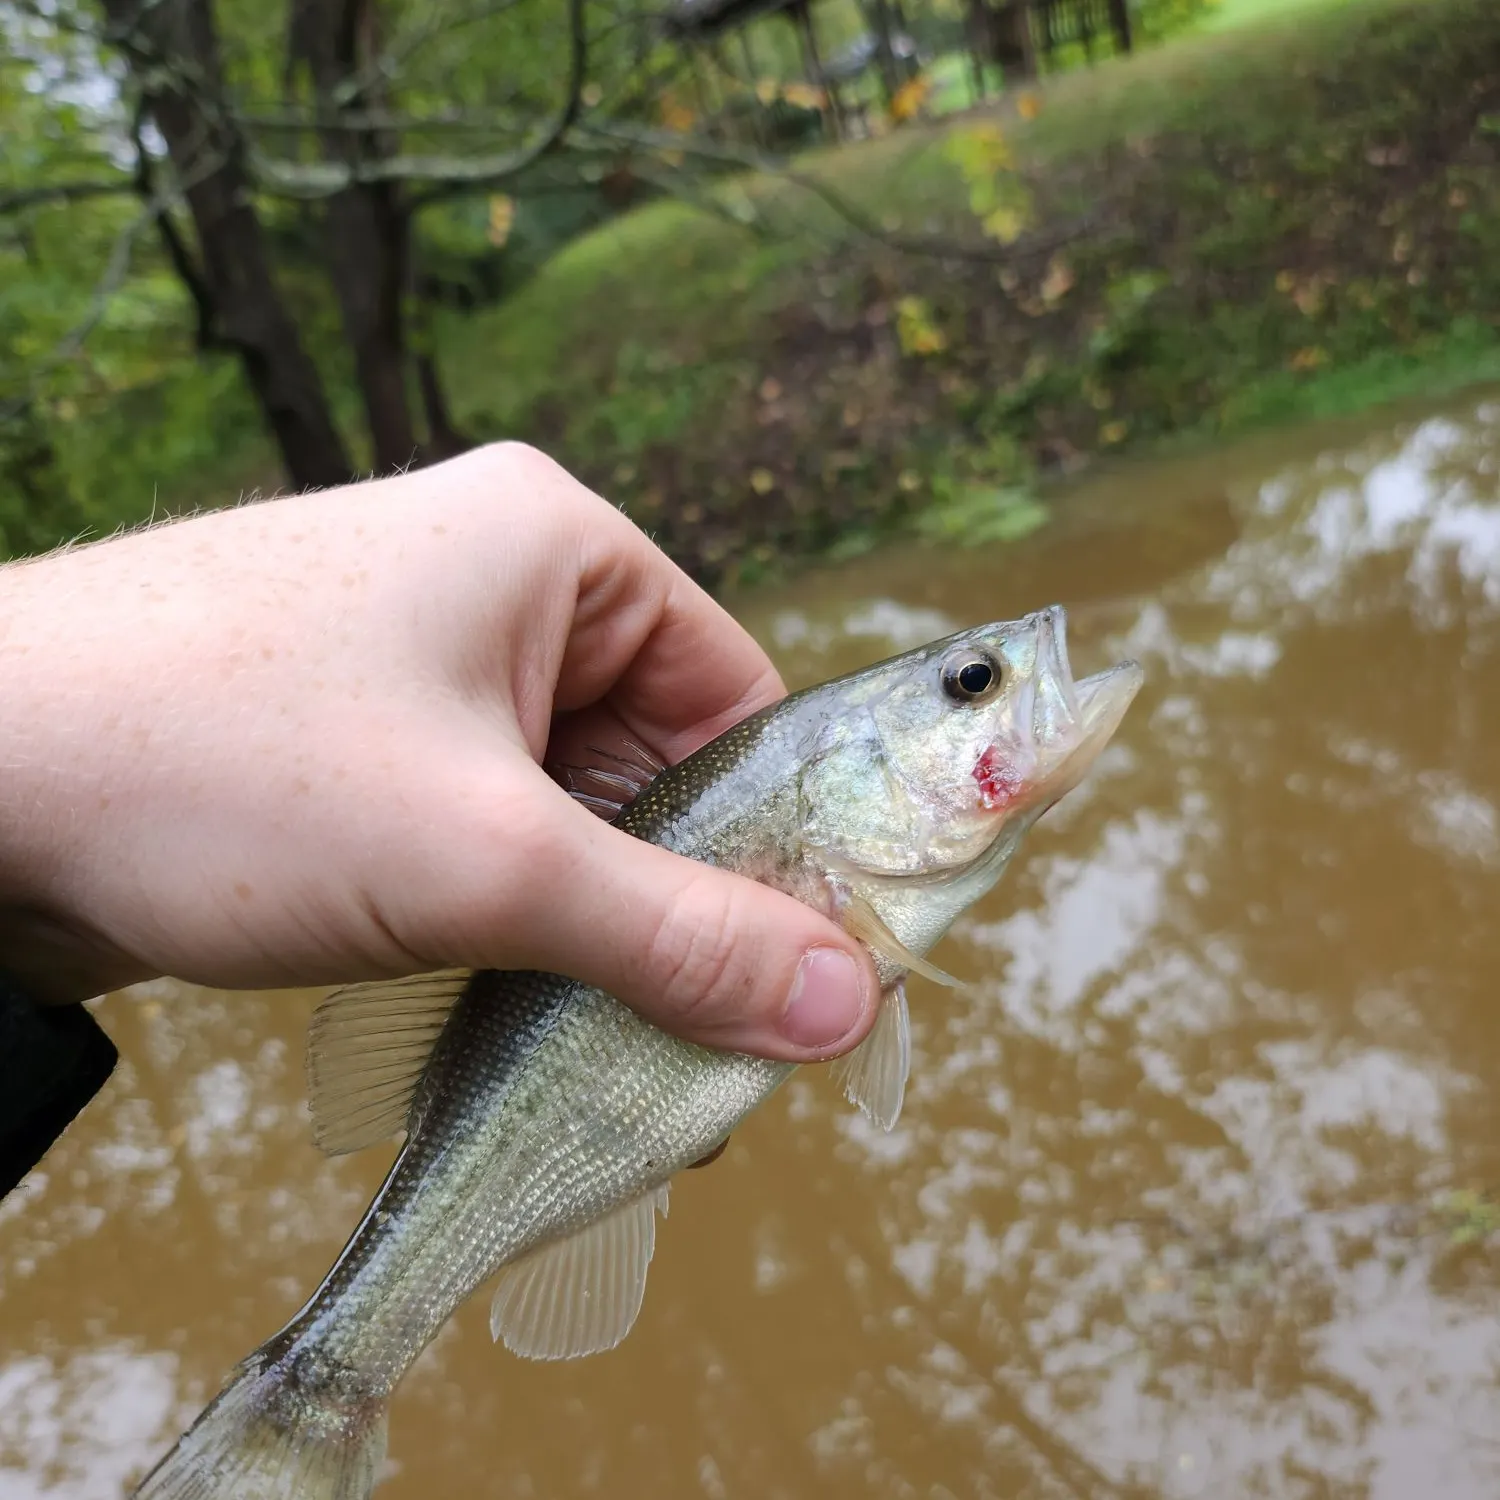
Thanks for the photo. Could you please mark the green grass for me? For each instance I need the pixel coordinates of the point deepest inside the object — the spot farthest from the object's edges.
(1227, 14)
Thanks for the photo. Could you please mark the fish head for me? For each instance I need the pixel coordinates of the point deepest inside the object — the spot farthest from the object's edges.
(935, 761)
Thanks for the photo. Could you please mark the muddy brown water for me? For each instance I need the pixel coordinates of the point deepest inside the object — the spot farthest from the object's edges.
(1189, 1198)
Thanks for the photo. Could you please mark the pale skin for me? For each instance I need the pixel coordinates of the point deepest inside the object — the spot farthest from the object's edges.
(301, 742)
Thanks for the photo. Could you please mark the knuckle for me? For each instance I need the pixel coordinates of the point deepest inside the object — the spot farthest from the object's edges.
(519, 464)
(699, 959)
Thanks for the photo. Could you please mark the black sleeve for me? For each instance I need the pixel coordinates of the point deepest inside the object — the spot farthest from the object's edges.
(53, 1060)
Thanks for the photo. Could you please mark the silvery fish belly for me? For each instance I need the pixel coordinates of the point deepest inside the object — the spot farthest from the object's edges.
(544, 1120)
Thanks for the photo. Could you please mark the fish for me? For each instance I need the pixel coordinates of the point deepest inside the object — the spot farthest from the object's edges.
(544, 1120)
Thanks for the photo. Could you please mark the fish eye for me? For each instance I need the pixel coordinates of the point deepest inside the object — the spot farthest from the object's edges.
(970, 677)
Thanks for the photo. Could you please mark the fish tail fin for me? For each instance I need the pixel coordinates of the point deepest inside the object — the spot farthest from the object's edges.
(269, 1436)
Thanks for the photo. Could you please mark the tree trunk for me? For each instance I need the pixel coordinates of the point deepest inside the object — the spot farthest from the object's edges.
(173, 52)
(367, 227)
(444, 440)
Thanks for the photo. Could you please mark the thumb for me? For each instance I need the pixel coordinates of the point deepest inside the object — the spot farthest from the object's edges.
(713, 957)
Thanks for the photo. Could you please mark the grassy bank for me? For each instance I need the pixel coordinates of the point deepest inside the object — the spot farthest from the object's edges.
(1300, 216)
(1296, 214)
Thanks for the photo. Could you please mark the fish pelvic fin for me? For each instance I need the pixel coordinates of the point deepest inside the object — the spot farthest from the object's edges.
(861, 920)
(874, 1074)
(580, 1295)
(266, 1438)
(366, 1049)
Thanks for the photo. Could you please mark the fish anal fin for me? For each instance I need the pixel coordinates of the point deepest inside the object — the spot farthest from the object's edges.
(874, 1074)
(861, 920)
(583, 1294)
(366, 1049)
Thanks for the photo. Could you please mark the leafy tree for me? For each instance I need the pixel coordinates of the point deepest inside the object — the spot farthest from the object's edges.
(253, 160)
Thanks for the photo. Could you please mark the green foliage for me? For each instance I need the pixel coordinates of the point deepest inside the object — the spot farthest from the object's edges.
(973, 514)
(649, 402)
(1155, 20)
(999, 197)
(105, 400)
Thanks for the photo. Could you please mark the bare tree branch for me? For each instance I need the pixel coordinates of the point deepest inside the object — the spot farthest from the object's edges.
(443, 175)
(938, 246)
(63, 192)
(388, 65)
(357, 121)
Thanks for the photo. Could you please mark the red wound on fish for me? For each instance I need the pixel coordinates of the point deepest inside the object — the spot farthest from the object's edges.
(999, 781)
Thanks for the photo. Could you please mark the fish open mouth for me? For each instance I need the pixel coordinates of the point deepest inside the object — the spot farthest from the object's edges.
(1076, 718)
(1061, 727)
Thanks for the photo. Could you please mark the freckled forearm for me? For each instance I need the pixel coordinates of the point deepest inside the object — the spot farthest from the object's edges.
(32, 736)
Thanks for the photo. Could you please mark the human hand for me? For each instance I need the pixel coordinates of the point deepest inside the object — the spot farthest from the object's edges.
(299, 742)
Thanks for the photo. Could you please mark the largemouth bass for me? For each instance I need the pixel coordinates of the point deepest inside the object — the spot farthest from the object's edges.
(544, 1120)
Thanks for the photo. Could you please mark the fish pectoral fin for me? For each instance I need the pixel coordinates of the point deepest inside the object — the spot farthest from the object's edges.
(366, 1049)
(874, 1074)
(583, 1294)
(861, 920)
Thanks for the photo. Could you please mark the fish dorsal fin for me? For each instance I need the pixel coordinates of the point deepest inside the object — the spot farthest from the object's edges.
(874, 1074)
(580, 1295)
(864, 922)
(609, 790)
(366, 1048)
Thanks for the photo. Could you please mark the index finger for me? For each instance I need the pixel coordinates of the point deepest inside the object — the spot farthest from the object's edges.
(671, 663)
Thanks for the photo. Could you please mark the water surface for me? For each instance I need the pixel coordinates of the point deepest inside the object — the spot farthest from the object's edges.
(1189, 1197)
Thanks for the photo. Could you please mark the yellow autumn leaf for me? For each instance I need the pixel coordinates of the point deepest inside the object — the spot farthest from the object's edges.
(992, 147)
(1006, 224)
(979, 152)
(676, 115)
(1311, 358)
(502, 219)
(1029, 106)
(1058, 281)
(1309, 299)
(916, 331)
(1113, 432)
(803, 96)
(908, 100)
(762, 481)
